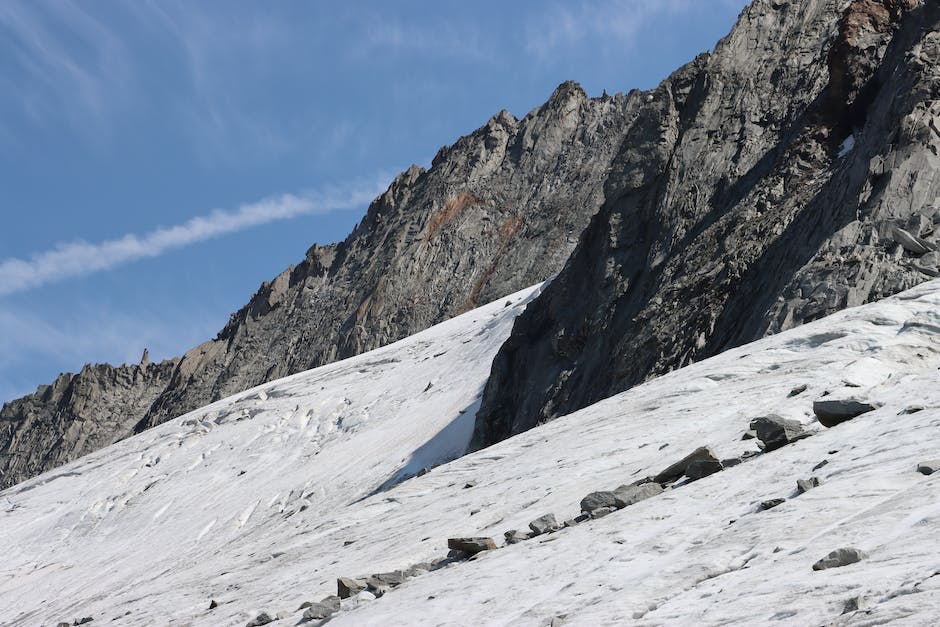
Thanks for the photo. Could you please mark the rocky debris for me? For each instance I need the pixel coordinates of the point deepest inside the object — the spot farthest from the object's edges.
(324, 609)
(577, 520)
(83, 621)
(600, 512)
(805, 485)
(821, 464)
(831, 412)
(64, 624)
(731, 462)
(855, 604)
(469, 484)
(623, 496)
(702, 457)
(840, 557)
(770, 504)
(418, 569)
(911, 409)
(701, 468)
(750, 434)
(715, 233)
(471, 546)
(213, 604)
(515, 537)
(797, 391)
(928, 468)
(544, 524)
(912, 243)
(263, 618)
(381, 583)
(347, 587)
(775, 431)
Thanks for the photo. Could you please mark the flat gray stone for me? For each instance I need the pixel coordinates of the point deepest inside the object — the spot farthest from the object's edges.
(771, 503)
(805, 485)
(514, 536)
(544, 524)
(678, 469)
(833, 411)
(471, 546)
(840, 557)
(776, 431)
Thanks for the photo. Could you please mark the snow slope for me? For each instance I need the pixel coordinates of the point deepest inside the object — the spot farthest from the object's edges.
(149, 530)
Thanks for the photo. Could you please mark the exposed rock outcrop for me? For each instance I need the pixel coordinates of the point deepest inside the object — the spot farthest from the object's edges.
(499, 210)
(758, 188)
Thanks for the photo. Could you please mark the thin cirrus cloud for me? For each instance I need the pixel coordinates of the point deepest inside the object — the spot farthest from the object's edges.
(74, 259)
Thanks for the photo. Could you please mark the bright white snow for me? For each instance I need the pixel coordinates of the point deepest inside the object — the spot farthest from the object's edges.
(151, 529)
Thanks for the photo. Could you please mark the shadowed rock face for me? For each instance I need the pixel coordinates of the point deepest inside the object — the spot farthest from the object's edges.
(757, 189)
(498, 211)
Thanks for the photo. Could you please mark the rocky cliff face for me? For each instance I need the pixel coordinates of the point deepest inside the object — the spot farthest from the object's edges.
(499, 210)
(791, 173)
(77, 414)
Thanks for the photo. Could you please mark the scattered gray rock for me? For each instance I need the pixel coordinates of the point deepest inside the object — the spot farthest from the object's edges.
(213, 604)
(912, 243)
(83, 621)
(600, 512)
(469, 484)
(840, 557)
(678, 469)
(805, 485)
(261, 619)
(471, 546)
(544, 524)
(514, 536)
(928, 468)
(731, 462)
(770, 504)
(831, 412)
(855, 604)
(797, 391)
(600, 500)
(324, 609)
(701, 468)
(380, 583)
(821, 464)
(776, 431)
(750, 434)
(419, 569)
(347, 587)
(623, 496)
(577, 520)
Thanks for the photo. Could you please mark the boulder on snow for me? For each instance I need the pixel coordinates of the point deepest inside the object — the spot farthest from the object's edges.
(805, 485)
(419, 569)
(701, 468)
(776, 431)
(600, 512)
(678, 469)
(213, 604)
(840, 557)
(514, 536)
(854, 604)
(831, 412)
(797, 390)
(324, 609)
(380, 583)
(261, 619)
(770, 504)
(544, 524)
(928, 468)
(623, 496)
(911, 243)
(347, 587)
(471, 546)
(577, 520)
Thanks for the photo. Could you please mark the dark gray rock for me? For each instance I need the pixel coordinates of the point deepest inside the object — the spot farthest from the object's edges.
(831, 412)
(380, 583)
(775, 431)
(600, 500)
(840, 557)
(600, 512)
(262, 618)
(623, 496)
(770, 504)
(471, 546)
(418, 569)
(797, 391)
(854, 604)
(347, 587)
(577, 520)
(701, 468)
(732, 211)
(544, 524)
(515, 537)
(731, 462)
(213, 604)
(928, 468)
(677, 470)
(750, 434)
(83, 621)
(805, 485)
(324, 609)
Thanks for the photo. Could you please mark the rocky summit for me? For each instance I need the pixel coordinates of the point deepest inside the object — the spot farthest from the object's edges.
(499, 210)
(787, 175)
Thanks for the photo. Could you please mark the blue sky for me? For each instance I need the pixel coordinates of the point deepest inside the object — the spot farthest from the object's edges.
(159, 160)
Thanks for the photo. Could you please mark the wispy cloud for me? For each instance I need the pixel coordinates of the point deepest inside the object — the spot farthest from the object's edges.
(81, 258)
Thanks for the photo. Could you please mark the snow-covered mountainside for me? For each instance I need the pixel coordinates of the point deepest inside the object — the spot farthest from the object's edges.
(259, 502)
